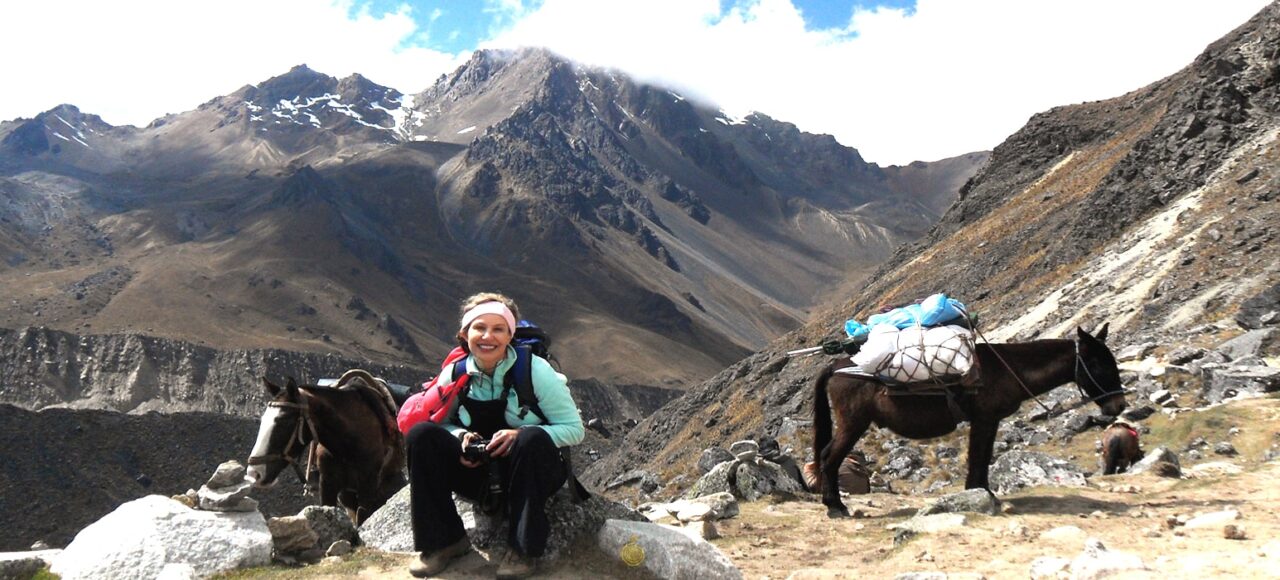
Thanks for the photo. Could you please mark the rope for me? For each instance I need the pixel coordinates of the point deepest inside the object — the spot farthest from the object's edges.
(1012, 372)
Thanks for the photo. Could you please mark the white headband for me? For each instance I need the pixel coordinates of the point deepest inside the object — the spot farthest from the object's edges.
(491, 307)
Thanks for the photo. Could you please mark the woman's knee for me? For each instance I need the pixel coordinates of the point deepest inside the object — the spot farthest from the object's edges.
(428, 434)
(535, 440)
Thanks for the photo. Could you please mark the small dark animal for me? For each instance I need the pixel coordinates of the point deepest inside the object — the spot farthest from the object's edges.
(1120, 448)
(347, 435)
(1004, 376)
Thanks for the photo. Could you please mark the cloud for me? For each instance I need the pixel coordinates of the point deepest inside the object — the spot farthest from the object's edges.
(951, 77)
(134, 61)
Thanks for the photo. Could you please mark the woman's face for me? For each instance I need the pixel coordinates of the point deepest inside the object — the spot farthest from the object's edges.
(487, 338)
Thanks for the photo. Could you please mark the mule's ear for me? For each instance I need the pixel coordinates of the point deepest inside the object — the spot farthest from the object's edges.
(292, 386)
(1102, 334)
(272, 388)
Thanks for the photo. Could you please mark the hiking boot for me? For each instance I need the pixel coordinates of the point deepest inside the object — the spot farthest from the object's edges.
(515, 566)
(435, 562)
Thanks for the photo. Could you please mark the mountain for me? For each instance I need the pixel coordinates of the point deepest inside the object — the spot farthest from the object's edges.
(657, 239)
(1154, 211)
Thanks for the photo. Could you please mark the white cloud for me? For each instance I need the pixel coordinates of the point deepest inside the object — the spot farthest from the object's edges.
(953, 77)
(134, 61)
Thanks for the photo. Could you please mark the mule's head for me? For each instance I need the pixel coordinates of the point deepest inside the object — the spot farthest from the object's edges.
(281, 436)
(1097, 373)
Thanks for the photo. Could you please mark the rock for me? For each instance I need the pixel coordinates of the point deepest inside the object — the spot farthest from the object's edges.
(292, 534)
(1162, 397)
(228, 474)
(1261, 310)
(133, 541)
(1254, 343)
(331, 524)
(1098, 562)
(931, 523)
(970, 500)
(1212, 519)
(665, 552)
(338, 548)
(1049, 568)
(1160, 461)
(1185, 354)
(23, 565)
(1138, 413)
(1135, 352)
(753, 481)
(1226, 383)
(648, 482)
(1213, 469)
(1225, 448)
(1234, 532)
(745, 450)
(1021, 469)
(390, 528)
(711, 457)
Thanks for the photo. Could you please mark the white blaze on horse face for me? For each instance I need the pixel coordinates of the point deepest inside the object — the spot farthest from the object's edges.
(263, 444)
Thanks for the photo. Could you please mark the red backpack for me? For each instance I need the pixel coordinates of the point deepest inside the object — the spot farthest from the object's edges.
(437, 396)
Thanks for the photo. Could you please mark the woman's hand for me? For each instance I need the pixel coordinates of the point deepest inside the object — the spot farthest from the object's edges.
(501, 442)
(467, 438)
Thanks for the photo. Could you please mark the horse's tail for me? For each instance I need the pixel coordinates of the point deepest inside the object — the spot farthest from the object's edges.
(821, 414)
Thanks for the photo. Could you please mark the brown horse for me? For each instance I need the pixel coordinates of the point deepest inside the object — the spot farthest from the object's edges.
(1120, 448)
(346, 435)
(1004, 375)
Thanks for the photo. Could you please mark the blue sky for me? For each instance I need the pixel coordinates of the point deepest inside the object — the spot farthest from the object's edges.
(898, 80)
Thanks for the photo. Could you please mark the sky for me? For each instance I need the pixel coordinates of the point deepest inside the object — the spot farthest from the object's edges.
(900, 80)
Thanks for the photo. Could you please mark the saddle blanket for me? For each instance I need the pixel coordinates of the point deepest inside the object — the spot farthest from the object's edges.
(913, 354)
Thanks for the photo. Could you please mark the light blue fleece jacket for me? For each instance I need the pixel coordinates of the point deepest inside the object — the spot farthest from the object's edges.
(551, 388)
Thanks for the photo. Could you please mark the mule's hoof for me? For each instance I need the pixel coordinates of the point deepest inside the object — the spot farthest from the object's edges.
(837, 512)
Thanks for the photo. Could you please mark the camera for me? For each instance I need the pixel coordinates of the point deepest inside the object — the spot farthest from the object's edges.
(476, 451)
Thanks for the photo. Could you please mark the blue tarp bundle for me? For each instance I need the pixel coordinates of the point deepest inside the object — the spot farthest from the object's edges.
(932, 311)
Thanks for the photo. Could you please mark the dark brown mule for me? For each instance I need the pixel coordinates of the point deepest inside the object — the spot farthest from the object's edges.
(1120, 448)
(358, 451)
(1005, 375)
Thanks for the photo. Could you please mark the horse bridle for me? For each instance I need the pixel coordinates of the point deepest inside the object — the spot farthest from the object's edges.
(1080, 364)
(295, 438)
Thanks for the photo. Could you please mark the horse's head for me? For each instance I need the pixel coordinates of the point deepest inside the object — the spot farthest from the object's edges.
(282, 436)
(1096, 372)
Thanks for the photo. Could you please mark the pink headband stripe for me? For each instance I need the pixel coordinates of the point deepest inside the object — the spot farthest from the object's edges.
(489, 308)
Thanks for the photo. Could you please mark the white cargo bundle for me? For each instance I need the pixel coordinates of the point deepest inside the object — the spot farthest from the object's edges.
(915, 353)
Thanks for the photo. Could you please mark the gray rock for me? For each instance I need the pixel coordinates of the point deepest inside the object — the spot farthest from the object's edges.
(1225, 448)
(391, 529)
(123, 543)
(711, 457)
(1225, 383)
(745, 450)
(647, 482)
(1096, 561)
(20, 565)
(1021, 469)
(665, 552)
(970, 500)
(1185, 354)
(291, 534)
(1263, 309)
(228, 474)
(718, 480)
(1254, 343)
(338, 548)
(233, 498)
(1160, 461)
(1135, 352)
(331, 524)
(757, 480)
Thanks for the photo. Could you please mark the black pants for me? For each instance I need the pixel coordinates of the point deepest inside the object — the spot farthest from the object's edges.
(533, 468)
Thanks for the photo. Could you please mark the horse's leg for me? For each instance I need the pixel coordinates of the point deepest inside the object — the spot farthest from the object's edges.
(846, 437)
(982, 439)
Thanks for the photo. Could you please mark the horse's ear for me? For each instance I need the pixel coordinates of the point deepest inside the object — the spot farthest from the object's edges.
(1102, 334)
(292, 386)
(272, 388)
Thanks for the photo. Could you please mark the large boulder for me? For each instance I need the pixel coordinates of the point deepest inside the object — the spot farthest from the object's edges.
(140, 538)
(1021, 469)
(1255, 343)
(746, 480)
(331, 524)
(391, 529)
(970, 500)
(1227, 382)
(665, 552)
(1261, 310)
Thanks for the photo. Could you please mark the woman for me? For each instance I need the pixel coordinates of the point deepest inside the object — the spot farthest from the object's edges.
(523, 454)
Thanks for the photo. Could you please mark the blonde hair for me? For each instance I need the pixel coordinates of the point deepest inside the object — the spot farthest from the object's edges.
(477, 299)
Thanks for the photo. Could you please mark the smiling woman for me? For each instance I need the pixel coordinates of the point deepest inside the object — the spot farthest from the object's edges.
(495, 446)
